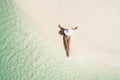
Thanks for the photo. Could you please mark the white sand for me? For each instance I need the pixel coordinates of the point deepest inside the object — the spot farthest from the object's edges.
(97, 39)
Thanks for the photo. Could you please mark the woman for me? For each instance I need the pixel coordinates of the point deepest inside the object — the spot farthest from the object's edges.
(66, 37)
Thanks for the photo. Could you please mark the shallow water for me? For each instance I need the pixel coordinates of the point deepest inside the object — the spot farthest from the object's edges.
(27, 54)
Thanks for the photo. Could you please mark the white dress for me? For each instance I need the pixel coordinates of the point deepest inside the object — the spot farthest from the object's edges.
(68, 32)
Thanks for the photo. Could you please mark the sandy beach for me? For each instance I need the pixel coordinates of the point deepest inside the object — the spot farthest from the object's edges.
(96, 39)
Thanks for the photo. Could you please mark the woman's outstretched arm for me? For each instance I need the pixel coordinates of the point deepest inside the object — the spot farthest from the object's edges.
(75, 28)
(61, 27)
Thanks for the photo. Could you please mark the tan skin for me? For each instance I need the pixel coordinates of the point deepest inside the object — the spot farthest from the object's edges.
(67, 40)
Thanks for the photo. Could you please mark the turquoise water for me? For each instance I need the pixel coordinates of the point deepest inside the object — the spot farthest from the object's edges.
(27, 54)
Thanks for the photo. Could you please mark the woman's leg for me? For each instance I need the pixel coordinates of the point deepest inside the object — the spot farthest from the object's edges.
(67, 45)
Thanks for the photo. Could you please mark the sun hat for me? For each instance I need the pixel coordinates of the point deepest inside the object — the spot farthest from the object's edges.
(68, 32)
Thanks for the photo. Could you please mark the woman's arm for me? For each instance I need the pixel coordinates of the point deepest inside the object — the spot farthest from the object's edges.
(60, 27)
(75, 28)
